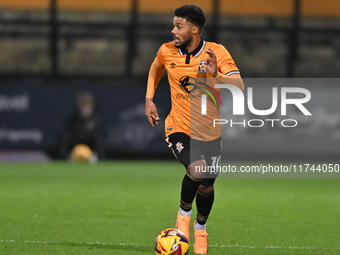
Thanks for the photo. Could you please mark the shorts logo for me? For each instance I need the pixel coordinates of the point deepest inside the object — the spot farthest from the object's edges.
(179, 147)
(202, 68)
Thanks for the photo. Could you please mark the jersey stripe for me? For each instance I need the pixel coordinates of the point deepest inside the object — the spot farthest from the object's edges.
(200, 50)
(157, 63)
(232, 72)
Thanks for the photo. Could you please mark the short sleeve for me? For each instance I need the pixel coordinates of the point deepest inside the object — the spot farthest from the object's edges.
(226, 64)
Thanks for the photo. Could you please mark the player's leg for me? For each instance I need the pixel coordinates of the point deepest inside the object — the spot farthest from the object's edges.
(204, 202)
(205, 194)
(180, 144)
(190, 185)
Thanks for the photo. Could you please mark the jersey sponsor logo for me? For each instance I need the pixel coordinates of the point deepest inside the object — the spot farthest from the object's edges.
(186, 86)
(202, 68)
(185, 96)
(190, 85)
(172, 65)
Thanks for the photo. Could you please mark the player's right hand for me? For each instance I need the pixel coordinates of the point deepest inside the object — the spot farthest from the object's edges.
(151, 112)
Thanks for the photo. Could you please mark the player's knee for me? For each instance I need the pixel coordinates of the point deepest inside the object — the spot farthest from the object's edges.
(197, 169)
(206, 190)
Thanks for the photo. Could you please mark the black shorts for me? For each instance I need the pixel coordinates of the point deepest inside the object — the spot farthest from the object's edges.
(188, 150)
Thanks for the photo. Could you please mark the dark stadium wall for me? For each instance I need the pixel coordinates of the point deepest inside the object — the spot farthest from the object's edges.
(32, 114)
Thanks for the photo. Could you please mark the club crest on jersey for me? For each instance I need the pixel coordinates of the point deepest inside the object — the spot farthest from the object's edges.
(202, 68)
(179, 147)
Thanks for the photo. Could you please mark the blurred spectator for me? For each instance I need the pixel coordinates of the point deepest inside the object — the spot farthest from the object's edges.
(84, 127)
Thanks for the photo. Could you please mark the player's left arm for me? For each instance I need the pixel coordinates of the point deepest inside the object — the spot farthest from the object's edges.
(224, 67)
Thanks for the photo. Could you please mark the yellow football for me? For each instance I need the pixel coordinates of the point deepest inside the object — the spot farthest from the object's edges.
(171, 241)
(81, 153)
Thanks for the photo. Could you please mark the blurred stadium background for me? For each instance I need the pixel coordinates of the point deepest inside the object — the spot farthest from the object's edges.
(53, 49)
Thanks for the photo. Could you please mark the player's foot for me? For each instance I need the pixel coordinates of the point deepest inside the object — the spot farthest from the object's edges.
(201, 241)
(183, 224)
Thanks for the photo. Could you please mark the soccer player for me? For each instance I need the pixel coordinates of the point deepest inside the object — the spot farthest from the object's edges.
(189, 56)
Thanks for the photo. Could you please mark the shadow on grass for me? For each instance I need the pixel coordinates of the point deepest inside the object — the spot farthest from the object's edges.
(122, 247)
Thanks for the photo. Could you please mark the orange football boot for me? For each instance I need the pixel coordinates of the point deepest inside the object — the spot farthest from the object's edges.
(201, 241)
(183, 224)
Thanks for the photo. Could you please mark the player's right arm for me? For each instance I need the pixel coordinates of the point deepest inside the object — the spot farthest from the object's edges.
(226, 66)
(155, 74)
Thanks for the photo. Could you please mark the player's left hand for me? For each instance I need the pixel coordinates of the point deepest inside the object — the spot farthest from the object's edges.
(211, 62)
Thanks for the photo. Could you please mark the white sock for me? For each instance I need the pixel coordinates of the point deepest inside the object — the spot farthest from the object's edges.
(184, 213)
(200, 227)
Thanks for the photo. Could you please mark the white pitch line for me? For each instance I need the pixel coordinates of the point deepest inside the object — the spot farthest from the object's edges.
(211, 245)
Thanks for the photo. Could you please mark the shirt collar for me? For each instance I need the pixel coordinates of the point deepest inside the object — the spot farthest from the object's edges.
(195, 52)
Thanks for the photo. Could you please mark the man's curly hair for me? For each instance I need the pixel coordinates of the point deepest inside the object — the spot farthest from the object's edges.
(191, 13)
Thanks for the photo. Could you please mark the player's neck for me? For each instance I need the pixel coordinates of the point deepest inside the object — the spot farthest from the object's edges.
(194, 44)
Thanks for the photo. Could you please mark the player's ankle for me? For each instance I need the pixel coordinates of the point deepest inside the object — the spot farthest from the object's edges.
(184, 213)
(199, 227)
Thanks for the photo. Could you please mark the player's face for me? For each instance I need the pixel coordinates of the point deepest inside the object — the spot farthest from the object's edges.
(182, 32)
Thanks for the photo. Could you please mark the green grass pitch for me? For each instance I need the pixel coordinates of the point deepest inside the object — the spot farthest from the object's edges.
(119, 207)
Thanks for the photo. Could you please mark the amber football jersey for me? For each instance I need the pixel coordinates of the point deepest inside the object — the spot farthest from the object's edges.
(182, 68)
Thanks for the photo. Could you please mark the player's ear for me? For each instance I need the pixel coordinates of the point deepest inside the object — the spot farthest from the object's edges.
(195, 30)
